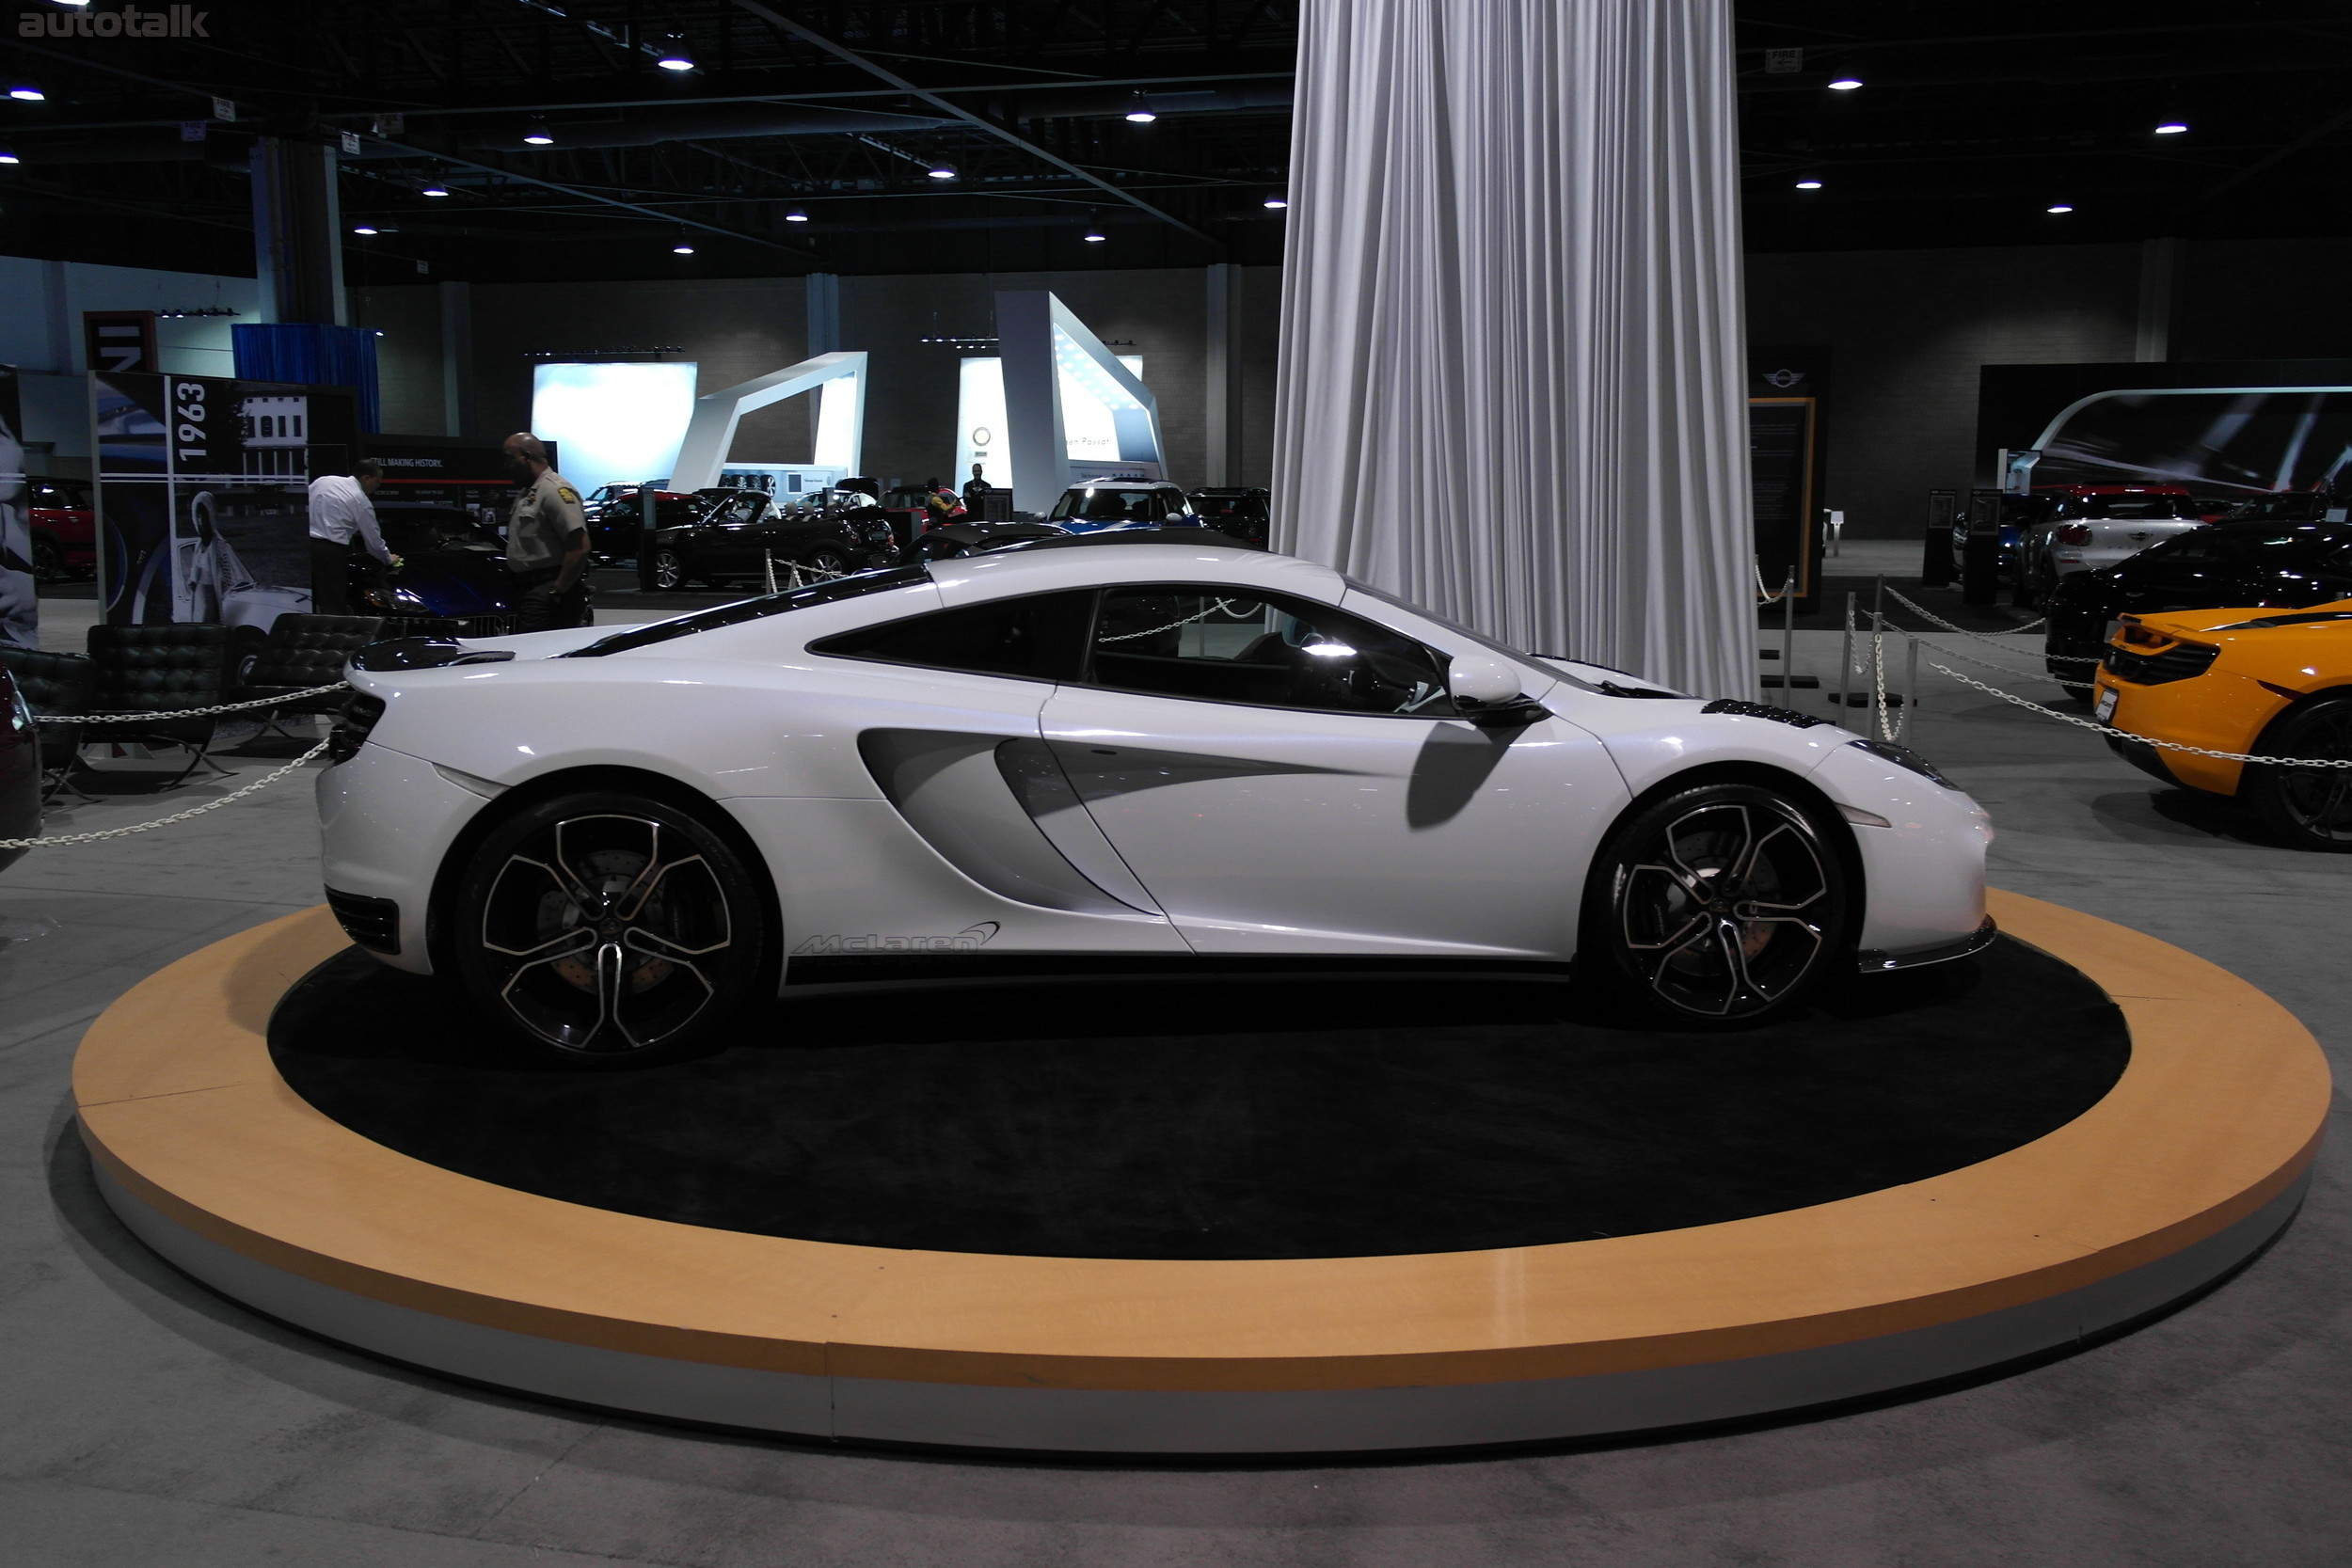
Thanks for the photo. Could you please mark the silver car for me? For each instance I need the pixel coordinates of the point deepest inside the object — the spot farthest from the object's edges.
(2087, 528)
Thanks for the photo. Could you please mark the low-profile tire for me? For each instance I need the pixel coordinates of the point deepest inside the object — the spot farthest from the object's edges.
(611, 929)
(1719, 906)
(2311, 807)
(669, 569)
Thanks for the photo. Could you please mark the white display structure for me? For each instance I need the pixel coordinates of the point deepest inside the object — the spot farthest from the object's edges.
(1053, 367)
(839, 379)
(1089, 423)
(613, 423)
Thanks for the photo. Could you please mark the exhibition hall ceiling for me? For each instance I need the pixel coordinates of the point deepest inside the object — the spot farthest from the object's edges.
(525, 139)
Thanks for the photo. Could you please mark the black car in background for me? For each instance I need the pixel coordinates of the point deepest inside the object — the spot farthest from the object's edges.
(20, 767)
(1240, 513)
(740, 531)
(616, 519)
(2270, 565)
(452, 567)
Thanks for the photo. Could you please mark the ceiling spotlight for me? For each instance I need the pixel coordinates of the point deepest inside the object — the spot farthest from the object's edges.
(537, 135)
(1141, 113)
(1275, 203)
(2061, 207)
(9, 157)
(1809, 184)
(1845, 84)
(796, 215)
(942, 171)
(26, 91)
(1095, 235)
(433, 190)
(674, 55)
(2171, 128)
(362, 228)
(682, 249)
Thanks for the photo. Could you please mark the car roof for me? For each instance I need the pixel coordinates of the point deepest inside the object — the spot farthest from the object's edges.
(1052, 563)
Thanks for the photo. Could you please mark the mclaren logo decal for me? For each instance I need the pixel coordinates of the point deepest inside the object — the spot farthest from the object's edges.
(970, 939)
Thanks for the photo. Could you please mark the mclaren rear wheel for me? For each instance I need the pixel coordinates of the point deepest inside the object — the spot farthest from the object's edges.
(2309, 806)
(611, 929)
(1718, 905)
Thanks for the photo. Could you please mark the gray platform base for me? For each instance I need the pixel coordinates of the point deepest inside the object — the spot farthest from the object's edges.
(1151, 1422)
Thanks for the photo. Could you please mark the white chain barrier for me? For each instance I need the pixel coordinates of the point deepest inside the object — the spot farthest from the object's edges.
(262, 783)
(1933, 619)
(2126, 735)
(279, 701)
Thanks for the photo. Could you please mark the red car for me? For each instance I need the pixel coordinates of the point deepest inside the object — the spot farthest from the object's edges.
(64, 528)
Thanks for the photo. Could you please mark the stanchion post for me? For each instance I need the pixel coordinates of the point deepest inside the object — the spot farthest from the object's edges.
(1845, 662)
(767, 569)
(1911, 680)
(1788, 636)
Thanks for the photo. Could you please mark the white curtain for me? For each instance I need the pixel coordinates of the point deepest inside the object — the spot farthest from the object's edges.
(1512, 382)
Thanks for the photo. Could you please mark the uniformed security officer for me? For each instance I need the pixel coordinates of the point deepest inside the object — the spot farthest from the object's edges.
(547, 541)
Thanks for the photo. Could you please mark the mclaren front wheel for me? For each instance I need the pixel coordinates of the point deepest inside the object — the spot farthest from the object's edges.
(1718, 905)
(611, 929)
(2309, 806)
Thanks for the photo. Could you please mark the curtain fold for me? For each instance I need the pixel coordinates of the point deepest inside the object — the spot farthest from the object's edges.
(1511, 382)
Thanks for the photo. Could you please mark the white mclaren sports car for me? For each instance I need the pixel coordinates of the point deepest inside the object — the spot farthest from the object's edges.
(1116, 752)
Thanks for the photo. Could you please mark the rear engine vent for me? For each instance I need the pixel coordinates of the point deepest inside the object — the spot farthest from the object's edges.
(372, 923)
(351, 730)
(2176, 663)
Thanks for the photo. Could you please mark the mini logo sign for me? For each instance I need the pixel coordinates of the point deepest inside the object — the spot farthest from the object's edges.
(1785, 379)
(970, 939)
(131, 21)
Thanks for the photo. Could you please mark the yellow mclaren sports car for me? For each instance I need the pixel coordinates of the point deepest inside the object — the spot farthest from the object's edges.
(2273, 683)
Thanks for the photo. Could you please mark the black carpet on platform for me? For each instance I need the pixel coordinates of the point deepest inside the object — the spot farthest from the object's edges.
(1253, 1117)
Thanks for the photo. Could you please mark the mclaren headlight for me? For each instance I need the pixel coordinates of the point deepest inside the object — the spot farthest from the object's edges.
(1903, 756)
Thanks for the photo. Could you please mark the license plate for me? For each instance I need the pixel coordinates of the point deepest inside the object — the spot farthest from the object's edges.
(2107, 704)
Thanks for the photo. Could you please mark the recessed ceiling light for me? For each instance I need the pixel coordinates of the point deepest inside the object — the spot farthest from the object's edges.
(1845, 84)
(681, 249)
(796, 215)
(361, 228)
(433, 190)
(2171, 128)
(942, 171)
(28, 92)
(1275, 203)
(1809, 184)
(537, 135)
(1095, 236)
(2061, 207)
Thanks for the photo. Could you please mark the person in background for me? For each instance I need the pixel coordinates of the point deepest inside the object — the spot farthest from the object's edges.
(342, 523)
(939, 505)
(547, 541)
(974, 488)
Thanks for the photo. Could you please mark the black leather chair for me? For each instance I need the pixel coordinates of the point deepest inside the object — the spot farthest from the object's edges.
(157, 670)
(303, 652)
(55, 685)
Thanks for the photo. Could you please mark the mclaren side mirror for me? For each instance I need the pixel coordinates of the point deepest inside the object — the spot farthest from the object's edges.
(1487, 691)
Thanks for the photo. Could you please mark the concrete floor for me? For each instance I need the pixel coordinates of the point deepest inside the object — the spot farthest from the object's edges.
(147, 1421)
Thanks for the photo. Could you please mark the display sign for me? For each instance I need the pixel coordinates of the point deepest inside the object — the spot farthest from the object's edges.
(446, 470)
(1092, 410)
(2226, 429)
(204, 495)
(119, 341)
(20, 608)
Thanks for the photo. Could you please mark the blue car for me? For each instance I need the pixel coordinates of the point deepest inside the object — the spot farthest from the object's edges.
(452, 568)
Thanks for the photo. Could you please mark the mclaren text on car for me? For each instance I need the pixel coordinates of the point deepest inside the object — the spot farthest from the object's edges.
(1175, 750)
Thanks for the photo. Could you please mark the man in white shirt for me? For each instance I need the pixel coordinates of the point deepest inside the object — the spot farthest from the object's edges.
(342, 519)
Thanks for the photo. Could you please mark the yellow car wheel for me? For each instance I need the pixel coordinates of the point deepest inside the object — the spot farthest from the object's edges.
(2311, 806)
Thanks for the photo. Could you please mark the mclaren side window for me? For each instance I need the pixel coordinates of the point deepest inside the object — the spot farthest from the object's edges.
(1041, 637)
(1266, 650)
(753, 609)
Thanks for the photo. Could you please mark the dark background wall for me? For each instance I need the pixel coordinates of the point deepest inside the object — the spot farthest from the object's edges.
(1907, 332)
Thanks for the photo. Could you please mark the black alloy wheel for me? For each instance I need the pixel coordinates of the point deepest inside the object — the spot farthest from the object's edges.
(1719, 904)
(611, 929)
(669, 568)
(48, 559)
(2309, 806)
